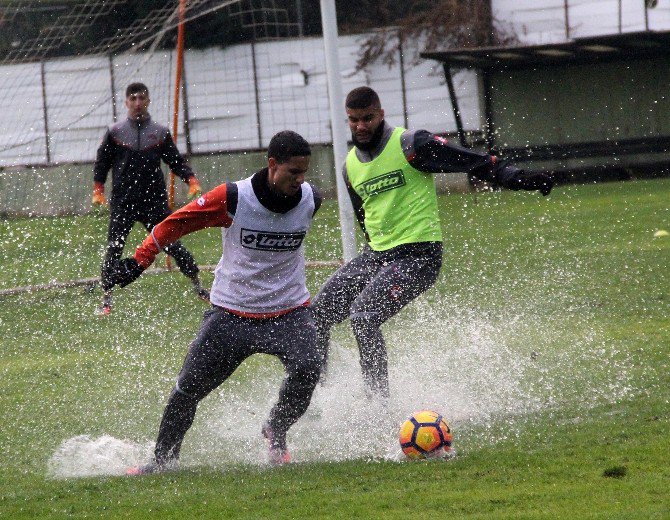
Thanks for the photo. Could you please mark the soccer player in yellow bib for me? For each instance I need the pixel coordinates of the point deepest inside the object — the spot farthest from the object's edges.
(388, 176)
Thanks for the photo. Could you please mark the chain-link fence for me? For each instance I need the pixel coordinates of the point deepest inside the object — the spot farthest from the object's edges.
(234, 99)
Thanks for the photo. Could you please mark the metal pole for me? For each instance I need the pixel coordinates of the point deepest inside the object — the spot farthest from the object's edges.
(567, 19)
(336, 101)
(175, 114)
(298, 10)
(454, 105)
(177, 88)
(646, 15)
(457, 117)
(257, 95)
(44, 109)
(184, 98)
(112, 83)
(403, 85)
(489, 129)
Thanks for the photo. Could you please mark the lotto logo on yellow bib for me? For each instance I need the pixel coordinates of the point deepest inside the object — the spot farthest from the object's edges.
(426, 434)
(380, 184)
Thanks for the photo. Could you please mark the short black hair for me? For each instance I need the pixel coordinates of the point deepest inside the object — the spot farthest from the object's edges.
(287, 144)
(136, 87)
(362, 97)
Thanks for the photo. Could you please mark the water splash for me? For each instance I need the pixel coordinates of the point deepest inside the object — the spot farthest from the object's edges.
(485, 375)
(84, 456)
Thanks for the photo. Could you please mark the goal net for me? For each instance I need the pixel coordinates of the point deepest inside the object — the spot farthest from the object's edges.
(235, 97)
(66, 103)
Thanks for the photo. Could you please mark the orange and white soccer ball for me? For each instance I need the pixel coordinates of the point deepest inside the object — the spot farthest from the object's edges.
(426, 434)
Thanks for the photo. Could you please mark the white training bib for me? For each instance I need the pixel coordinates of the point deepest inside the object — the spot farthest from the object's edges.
(262, 269)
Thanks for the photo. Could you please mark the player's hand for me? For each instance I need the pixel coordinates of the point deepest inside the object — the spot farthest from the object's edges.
(98, 200)
(537, 181)
(194, 189)
(126, 271)
(99, 204)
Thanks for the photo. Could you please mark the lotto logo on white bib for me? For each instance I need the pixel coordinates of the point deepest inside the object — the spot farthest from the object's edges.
(269, 241)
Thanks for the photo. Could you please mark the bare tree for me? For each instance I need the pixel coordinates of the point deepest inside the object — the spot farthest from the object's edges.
(418, 26)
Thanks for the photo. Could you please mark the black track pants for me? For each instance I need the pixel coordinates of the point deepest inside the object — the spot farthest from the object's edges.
(120, 224)
(223, 343)
(370, 289)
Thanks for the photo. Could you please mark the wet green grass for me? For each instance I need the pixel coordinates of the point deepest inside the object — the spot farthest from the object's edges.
(577, 278)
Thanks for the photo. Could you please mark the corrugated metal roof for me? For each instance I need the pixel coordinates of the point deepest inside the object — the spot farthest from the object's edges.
(582, 50)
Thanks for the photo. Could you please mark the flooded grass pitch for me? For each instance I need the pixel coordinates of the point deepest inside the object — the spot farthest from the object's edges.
(489, 378)
(538, 318)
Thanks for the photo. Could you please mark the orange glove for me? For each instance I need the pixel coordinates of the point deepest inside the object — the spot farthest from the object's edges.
(194, 189)
(99, 194)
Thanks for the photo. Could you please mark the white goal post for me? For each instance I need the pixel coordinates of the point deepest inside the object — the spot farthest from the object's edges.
(336, 102)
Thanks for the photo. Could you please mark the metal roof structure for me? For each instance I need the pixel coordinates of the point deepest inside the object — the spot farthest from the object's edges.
(610, 48)
(594, 49)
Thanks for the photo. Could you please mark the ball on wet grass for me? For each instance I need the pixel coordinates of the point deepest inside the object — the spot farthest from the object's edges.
(426, 434)
(661, 233)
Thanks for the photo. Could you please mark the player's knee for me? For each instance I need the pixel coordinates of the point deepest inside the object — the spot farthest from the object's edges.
(322, 337)
(115, 245)
(365, 323)
(184, 260)
(184, 393)
(307, 372)
(330, 308)
(434, 272)
(324, 317)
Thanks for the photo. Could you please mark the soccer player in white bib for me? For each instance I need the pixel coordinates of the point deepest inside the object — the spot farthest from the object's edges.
(259, 296)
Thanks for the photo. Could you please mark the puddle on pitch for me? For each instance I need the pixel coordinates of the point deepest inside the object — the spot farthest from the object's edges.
(483, 376)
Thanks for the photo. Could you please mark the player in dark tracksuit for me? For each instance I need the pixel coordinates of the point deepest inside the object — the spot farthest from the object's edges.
(259, 295)
(388, 176)
(133, 150)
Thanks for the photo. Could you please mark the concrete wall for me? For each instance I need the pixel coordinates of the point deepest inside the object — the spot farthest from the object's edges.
(66, 189)
(573, 104)
(236, 98)
(551, 21)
